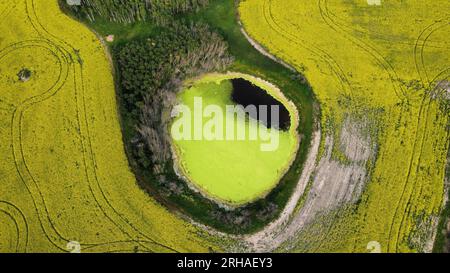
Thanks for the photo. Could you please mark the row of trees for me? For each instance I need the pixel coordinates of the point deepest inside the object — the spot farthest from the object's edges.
(129, 11)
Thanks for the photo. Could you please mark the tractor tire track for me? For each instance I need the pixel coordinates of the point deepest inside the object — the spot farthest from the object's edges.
(96, 188)
(20, 222)
(417, 196)
(427, 83)
(323, 5)
(376, 55)
(320, 53)
(18, 154)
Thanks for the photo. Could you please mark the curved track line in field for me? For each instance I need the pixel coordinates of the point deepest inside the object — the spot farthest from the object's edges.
(317, 51)
(18, 154)
(419, 58)
(427, 83)
(20, 223)
(21, 166)
(411, 163)
(419, 54)
(376, 55)
(47, 225)
(409, 202)
(410, 195)
(96, 189)
(420, 119)
(445, 74)
(404, 193)
(11, 219)
(36, 26)
(323, 5)
(398, 233)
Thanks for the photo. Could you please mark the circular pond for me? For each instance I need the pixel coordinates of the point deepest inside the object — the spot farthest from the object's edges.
(234, 136)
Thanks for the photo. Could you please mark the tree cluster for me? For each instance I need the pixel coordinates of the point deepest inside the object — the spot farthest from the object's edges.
(152, 71)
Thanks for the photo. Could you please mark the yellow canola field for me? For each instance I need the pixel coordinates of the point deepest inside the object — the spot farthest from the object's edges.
(383, 65)
(64, 176)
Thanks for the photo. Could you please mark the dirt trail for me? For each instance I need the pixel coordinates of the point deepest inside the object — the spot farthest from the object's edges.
(266, 238)
(263, 51)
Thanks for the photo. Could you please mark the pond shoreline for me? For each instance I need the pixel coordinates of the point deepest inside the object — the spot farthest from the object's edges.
(272, 90)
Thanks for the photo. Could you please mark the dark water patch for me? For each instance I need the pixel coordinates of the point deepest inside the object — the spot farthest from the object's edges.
(245, 93)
